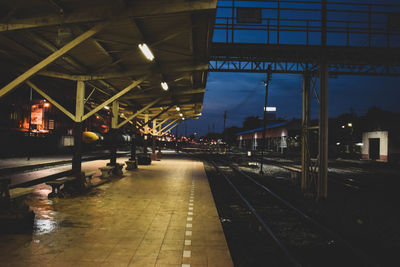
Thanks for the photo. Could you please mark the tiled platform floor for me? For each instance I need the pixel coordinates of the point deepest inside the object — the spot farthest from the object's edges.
(159, 215)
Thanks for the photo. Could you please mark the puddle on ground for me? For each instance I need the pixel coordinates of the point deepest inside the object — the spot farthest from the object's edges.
(45, 217)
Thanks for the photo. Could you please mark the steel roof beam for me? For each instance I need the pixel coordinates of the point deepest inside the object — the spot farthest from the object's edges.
(176, 93)
(51, 58)
(136, 71)
(101, 13)
(156, 116)
(52, 101)
(169, 124)
(139, 112)
(115, 97)
(172, 127)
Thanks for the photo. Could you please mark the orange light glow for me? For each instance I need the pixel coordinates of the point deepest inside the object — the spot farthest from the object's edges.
(46, 105)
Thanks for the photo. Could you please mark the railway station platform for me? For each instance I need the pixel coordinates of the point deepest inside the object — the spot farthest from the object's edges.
(161, 214)
(15, 164)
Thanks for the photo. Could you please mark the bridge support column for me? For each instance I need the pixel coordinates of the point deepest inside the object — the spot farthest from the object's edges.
(322, 183)
(77, 131)
(305, 144)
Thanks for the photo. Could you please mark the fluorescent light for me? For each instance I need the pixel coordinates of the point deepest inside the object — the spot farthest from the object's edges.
(146, 51)
(178, 108)
(164, 86)
(270, 109)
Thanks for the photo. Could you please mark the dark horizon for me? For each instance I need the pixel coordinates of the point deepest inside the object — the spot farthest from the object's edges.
(242, 95)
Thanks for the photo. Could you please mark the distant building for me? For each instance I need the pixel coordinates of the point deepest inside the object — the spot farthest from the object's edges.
(279, 136)
(380, 146)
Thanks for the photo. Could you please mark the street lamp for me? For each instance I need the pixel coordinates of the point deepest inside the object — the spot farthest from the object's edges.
(265, 118)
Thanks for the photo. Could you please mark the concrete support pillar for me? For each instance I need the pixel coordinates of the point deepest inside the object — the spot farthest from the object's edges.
(77, 131)
(114, 132)
(305, 144)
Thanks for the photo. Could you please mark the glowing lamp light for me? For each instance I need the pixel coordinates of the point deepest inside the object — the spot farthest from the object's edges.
(180, 114)
(270, 109)
(350, 124)
(106, 107)
(183, 119)
(146, 51)
(46, 105)
(164, 86)
(178, 108)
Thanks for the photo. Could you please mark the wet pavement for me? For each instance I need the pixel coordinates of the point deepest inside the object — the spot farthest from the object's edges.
(160, 215)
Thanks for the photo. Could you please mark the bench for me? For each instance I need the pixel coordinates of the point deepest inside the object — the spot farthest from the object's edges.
(4, 191)
(56, 186)
(144, 160)
(89, 177)
(13, 199)
(14, 212)
(118, 169)
(131, 164)
(20, 192)
(106, 172)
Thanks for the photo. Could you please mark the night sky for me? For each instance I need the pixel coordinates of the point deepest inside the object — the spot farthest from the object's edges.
(242, 95)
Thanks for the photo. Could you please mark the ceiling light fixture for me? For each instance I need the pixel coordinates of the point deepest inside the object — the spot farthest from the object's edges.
(164, 86)
(146, 51)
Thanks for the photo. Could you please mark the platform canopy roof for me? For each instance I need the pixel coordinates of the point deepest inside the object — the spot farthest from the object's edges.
(51, 44)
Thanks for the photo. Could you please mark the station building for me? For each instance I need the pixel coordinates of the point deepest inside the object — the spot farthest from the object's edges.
(380, 146)
(281, 137)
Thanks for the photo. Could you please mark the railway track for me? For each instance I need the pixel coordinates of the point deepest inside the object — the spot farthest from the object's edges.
(302, 240)
(343, 180)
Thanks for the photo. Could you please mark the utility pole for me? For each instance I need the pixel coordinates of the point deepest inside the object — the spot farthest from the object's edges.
(265, 117)
(224, 119)
(223, 132)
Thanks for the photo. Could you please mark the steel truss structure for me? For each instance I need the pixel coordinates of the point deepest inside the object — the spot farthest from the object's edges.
(317, 39)
(223, 64)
